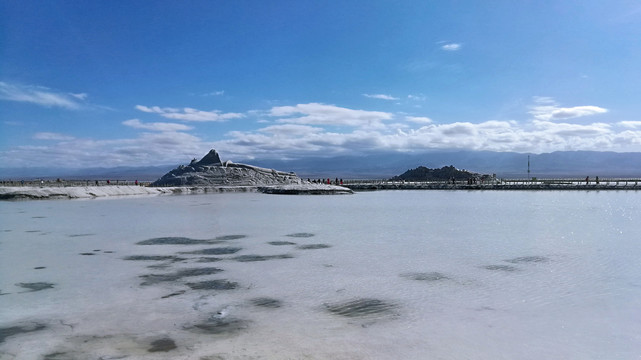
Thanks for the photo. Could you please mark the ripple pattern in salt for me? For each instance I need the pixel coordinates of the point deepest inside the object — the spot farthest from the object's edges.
(362, 307)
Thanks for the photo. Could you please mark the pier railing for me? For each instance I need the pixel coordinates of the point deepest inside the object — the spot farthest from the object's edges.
(500, 184)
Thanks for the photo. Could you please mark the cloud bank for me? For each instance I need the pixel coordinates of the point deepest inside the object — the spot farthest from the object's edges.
(317, 129)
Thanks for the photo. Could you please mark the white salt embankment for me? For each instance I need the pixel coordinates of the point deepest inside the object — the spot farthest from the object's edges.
(76, 192)
(88, 192)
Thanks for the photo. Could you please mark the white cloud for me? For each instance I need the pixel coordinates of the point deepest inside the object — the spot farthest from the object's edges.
(419, 119)
(156, 126)
(81, 96)
(40, 95)
(321, 114)
(630, 124)
(573, 130)
(548, 110)
(544, 100)
(189, 114)
(380, 96)
(291, 129)
(215, 93)
(451, 47)
(52, 136)
(577, 111)
(416, 97)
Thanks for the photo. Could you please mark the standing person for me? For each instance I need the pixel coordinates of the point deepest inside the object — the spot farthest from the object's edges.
(587, 180)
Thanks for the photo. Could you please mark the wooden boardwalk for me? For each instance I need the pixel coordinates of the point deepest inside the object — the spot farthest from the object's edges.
(499, 184)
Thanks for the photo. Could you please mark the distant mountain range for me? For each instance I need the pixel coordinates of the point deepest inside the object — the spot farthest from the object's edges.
(503, 164)
(144, 173)
(387, 165)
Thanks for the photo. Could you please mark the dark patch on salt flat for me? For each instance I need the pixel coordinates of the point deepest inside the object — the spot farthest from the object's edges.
(173, 294)
(213, 357)
(157, 278)
(81, 235)
(279, 243)
(33, 231)
(108, 252)
(58, 356)
(427, 276)
(87, 253)
(96, 250)
(213, 285)
(361, 307)
(216, 325)
(17, 330)
(267, 302)
(36, 286)
(159, 266)
(177, 241)
(38, 217)
(215, 251)
(250, 258)
(300, 235)
(153, 258)
(1, 293)
(39, 267)
(162, 345)
(230, 237)
(208, 259)
(313, 246)
(528, 259)
(500, 268)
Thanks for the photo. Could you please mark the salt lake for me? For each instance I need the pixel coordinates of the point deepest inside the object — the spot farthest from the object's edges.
(374, 275)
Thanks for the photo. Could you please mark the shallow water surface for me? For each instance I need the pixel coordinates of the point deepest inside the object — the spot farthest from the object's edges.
(377, 275)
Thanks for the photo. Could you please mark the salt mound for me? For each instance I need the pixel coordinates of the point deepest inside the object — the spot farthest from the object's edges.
(210, 170)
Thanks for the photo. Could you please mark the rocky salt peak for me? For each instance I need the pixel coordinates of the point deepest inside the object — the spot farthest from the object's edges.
(211, 171)
(212, 158)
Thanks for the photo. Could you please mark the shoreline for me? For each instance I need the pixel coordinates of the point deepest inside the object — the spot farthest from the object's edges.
(92, 192)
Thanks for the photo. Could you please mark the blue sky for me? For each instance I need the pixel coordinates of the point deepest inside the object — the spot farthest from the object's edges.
(111, 83)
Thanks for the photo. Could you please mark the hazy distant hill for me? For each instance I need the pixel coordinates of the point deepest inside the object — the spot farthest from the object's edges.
(445, 173)
(387, 165)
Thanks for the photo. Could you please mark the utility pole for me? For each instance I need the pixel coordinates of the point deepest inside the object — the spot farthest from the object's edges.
(528, 168)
